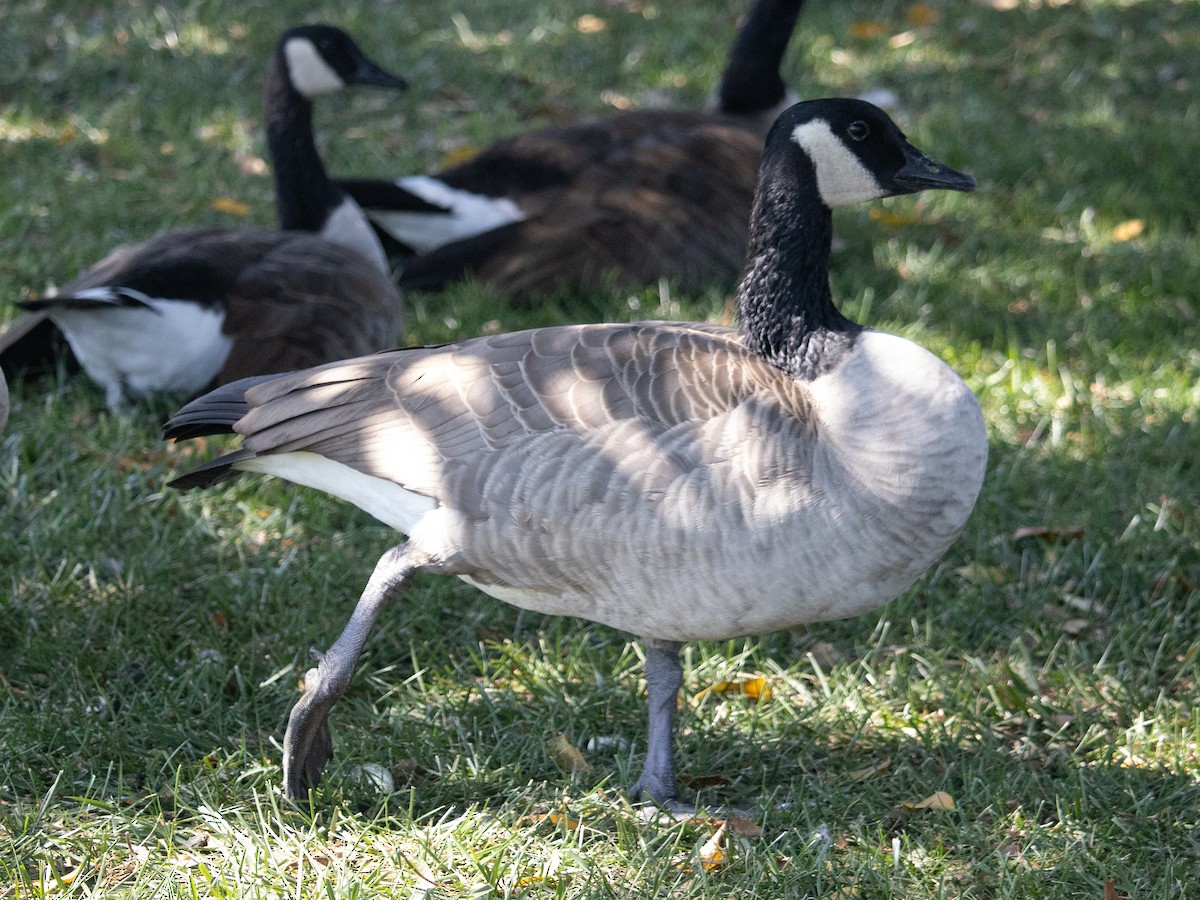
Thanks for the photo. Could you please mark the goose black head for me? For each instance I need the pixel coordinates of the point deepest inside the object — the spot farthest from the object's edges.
(322, 59)
(858, 153)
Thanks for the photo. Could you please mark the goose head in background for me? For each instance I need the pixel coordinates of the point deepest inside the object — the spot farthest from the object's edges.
(311, 61)
(634, 197)
(678, 481)
(189, 308)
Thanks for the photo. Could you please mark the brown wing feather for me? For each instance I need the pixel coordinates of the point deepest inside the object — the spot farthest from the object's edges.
(304, 302)
(643, 195)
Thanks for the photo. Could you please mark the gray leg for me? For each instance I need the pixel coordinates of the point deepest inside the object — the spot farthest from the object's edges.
(307, 746)
(664, 676)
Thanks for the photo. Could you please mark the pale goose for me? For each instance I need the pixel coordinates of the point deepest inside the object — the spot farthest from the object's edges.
(634, 197)
(189, 308)
(677, 481)
(3, 401)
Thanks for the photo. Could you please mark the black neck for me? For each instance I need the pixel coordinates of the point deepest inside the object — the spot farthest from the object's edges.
(784, 300)
(752, 82)
(304, 195)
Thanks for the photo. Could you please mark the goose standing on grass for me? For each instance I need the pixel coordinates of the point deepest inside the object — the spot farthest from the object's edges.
(637, 196)
(189, 308)
(677, 481)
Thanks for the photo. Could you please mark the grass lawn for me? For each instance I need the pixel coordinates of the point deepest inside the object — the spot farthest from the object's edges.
(1041, 680)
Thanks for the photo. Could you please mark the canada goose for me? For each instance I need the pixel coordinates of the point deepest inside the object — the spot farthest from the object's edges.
(189, 307)
(637, 196)
(800, 468)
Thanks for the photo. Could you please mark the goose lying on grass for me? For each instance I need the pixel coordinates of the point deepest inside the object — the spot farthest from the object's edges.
(674, 480)
(189, 308)
(635, 196)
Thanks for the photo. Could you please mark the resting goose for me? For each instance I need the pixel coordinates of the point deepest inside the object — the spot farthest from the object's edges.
(187, 308)
(674, 480)
(637, 196)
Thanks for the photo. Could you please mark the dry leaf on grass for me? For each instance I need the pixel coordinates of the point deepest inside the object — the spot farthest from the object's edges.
(894, 220)
(711, 855)
(703, 781)
(868, 772)
(939, 800)
(920, 14)
(978, 573)
(1128, 230)
(589, 24)
(867, 28)
(553, 818)
(744, 827)
(1047, 533)
(230, 206)
(754, 687)
(566, 754)
(458, 155)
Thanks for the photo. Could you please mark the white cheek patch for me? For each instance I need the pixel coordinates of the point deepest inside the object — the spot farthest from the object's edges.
(842, 179)
(310, 74)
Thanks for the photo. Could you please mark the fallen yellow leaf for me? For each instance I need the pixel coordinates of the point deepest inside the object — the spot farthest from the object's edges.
(454, 157)
(978, 573)
(552, 818)
(589, 24)
(566, 754)
(867, 772)
(711, 855)
(755, 687)
(867, 28)
(230, 206)
(1128, 230)
(894, 220)
(920, 14)
(938, 800)
(1047, 533)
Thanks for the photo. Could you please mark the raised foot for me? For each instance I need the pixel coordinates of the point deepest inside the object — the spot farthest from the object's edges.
(307, 744)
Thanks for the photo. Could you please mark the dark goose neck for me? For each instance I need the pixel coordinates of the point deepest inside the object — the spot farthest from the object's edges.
(784, 300)
(304, 195)
(751, 82)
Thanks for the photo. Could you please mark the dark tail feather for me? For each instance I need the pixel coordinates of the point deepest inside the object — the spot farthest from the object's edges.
(449, 263)
(32, 346)
(216, 412)
(210, 473)
(213, 413)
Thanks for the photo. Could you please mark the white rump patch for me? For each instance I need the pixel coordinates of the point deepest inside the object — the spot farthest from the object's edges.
(842, 179)
(467, 215)
(174, 345)
(385, 500)
(308, 71)
(348, 226)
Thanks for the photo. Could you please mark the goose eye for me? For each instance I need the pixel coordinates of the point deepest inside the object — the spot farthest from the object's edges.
(858, 130)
